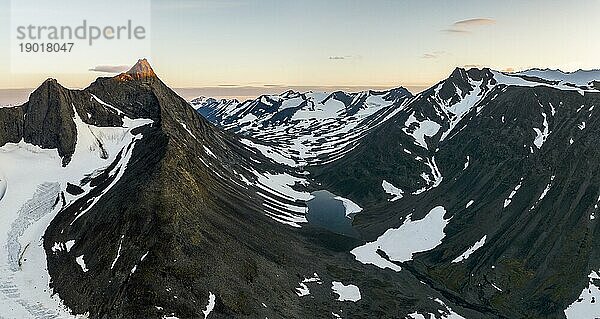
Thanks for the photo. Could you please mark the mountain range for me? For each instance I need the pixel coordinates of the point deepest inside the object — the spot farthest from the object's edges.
(476, 198)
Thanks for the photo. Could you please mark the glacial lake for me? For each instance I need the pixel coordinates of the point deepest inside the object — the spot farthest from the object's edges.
(325, 211)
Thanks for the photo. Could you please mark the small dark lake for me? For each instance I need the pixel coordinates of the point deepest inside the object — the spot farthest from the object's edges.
(327, 212)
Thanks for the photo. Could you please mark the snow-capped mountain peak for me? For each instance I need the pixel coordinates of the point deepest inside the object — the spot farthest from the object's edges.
(302, 128)
(578, 78)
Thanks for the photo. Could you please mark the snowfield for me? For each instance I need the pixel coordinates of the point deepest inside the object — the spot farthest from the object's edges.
(2, 185)
(31, 180)
(400, 244)
(298, 129)
(579, 78)
(346, 292)
(588, 303)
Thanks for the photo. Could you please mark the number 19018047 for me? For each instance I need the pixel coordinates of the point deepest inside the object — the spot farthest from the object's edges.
(45, 47)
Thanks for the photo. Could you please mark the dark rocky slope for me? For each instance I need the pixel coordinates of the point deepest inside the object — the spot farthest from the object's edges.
(542, 246)
(46, 120)
(183, 226)
(187, 219)
(513, 160)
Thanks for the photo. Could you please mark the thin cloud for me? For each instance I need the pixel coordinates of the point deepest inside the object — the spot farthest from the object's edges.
(509, 70)
(344, 57)
(467, 26)
(433, 55)
(456, 31)
(473, 22)
(110, 68)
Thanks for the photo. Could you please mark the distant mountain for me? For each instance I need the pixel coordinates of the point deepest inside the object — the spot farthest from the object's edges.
(300, 129)
(578, 78)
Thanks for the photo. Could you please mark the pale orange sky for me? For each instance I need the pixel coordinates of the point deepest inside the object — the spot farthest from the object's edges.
(344, 43)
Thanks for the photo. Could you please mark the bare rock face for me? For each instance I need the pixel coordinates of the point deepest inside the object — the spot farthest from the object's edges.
(11, 125)
(141, 70)
(47, 119)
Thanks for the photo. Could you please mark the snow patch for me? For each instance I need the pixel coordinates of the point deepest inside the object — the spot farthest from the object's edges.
(302, 290)
(470, 203)
(542, 135)
(400, 244)
(392, 190)
(314, 278)
(346, 292)
(588, 303)
(272, 153)
(435, 174)
(108, 106)
(350, 206)
(211, 304)
(81, 263)
(546, 189)
(420, 129)
(208, 151)
(450, 314)
(512, 194)
(69, 244)
(471, 250)
(118, 253)
(447, 313)
(188, 130)
(283, 203)
(544, 192)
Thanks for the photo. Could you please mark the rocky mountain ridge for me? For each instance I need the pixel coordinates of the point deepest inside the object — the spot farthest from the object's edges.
(498, 152)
